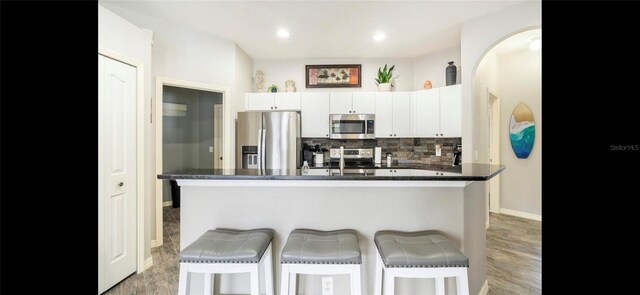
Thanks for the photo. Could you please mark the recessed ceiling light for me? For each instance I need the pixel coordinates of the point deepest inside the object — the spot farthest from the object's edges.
(379, 36)
(536, 44)
(282, 33)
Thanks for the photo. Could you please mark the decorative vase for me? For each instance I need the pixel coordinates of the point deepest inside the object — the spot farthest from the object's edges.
(427, 85)
(451, 73)
(384, 87)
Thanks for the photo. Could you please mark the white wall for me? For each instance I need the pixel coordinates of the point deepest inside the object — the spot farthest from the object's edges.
(477, 37)
(276, 71)
(243, 66)
(186, 54)
(520, 81)
(120, 36)
(432, 67)
(486, 78)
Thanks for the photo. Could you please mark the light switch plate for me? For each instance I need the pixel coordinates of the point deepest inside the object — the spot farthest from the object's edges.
(327, 286)
(211, 149)
(438, 150)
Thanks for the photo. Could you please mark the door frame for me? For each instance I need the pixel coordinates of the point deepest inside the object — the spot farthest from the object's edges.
(216, 125)
(141, 264)
(226, 133)
(494, 149)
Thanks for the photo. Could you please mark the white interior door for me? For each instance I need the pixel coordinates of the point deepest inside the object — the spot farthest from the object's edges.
(117, 185)
(217, 136)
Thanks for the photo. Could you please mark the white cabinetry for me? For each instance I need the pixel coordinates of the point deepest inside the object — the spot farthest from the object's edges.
(273, 101)
(315, 114)
(317, 171)
(363, 103)
(451, 111)
(394, 172)
(393, 114)
(438, 112)
(352, 103)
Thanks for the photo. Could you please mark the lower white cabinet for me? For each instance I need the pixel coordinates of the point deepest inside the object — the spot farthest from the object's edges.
(319, 171)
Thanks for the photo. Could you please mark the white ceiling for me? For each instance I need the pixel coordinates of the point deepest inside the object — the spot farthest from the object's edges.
(324, 28)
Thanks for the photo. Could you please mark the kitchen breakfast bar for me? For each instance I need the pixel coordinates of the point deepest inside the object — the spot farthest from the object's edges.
(406, 198)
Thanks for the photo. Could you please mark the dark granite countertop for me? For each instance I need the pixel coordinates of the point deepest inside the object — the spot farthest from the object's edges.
(464, 172)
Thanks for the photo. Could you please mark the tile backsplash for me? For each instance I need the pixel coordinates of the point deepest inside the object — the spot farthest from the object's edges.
(403, 150)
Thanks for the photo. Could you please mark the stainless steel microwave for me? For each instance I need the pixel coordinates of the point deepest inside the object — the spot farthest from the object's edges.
(352, 126)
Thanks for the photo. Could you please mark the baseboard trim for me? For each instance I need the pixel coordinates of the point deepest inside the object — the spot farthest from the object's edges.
(485, 288)
(148, 263)
(154, 244)
(521, 214)
(167, 203)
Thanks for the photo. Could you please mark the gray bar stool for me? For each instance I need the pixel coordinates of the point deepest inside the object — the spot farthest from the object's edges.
(421, 254)
(229, 251)
(317, 252)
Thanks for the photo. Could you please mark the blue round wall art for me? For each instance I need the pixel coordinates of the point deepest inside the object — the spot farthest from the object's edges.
(522, 131)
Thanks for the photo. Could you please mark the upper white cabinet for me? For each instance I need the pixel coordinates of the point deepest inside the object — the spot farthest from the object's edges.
(384, 114)
(438, 112)
(393, 114)
(363, 103)
(315, 114)
(427, 113)
(273, 101)
(451, 111)
(352, 102)
(340, 102)
(402, 114)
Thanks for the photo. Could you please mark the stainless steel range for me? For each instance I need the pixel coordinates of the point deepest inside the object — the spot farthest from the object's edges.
(353, 158)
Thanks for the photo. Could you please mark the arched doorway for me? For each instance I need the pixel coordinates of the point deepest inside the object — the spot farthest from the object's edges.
(509, 73)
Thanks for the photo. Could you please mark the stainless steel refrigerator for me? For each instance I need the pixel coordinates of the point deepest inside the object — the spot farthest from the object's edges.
(268, 140)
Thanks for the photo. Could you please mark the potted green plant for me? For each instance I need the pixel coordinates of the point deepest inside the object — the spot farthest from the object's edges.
(272, 88)
(384, 78)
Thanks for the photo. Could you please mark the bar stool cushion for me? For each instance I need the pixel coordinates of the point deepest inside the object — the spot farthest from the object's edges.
(322, 247)
(418, 249)
(228, 246)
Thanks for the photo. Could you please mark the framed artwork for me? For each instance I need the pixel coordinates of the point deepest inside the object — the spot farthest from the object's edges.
(522, 130)
(332, 76)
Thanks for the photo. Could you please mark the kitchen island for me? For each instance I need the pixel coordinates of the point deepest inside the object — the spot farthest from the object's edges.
(449, 200)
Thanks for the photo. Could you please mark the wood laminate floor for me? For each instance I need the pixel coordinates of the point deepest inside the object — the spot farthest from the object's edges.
(514, 259)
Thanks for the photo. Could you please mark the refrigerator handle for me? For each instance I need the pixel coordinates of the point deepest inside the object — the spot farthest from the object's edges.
(259, 149)
(263, 161)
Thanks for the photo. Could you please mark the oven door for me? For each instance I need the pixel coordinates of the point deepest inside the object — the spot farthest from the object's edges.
(360, 126)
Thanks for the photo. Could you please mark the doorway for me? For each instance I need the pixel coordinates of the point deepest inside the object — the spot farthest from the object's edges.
(192, 132)
(494, 149)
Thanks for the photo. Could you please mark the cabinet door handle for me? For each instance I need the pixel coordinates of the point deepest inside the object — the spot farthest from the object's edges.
(220, 158)
(326, 135)
(276, 108)
(394, 170)
(272, 108)
(395, 135)
(390, 134)
(121, 184)
(436, 134)
(441, 134)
